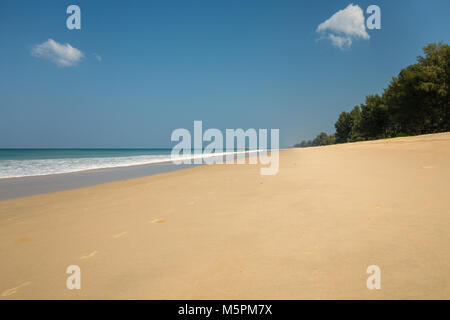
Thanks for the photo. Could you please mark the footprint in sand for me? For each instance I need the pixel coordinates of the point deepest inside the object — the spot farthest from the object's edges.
(316, 273)
(374, 217)
(90, 255)
(117, 236)
(14, 290)
(22, 240)
(157, 221)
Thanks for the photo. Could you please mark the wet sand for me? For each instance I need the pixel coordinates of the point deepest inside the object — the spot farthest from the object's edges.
(11, 188)
(226, 232)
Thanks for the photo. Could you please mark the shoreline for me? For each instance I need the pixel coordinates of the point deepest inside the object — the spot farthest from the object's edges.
(18, 187)
(193, 157)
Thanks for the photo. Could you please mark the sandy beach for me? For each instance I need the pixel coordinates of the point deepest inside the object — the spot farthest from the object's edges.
(226, 232)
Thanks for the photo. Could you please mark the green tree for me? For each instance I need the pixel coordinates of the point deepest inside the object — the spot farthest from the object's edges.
(323, 140)
(374, 122)
(347, 125)
(343, 127)
(304, 144)
(418, 99)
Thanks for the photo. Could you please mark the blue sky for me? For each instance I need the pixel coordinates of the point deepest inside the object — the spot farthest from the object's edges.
(164, 64)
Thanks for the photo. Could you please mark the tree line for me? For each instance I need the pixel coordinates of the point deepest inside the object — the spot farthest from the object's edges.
(417, 101)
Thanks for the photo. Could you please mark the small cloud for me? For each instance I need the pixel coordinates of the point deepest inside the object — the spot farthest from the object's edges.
(98, 57)
(64, 55)
(340, 42)
(344, 25)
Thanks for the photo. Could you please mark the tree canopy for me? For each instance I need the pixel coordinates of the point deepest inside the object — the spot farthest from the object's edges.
(417, 101)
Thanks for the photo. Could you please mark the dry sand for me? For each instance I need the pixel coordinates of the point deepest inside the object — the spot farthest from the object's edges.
(225, 231)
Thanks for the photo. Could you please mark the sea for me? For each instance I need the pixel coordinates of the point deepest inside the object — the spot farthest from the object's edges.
(39, 162)
(16, 163)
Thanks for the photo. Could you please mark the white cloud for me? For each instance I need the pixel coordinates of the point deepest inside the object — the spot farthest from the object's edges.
(64, 55)
(339, 41)
(345, 25)
(98, 57)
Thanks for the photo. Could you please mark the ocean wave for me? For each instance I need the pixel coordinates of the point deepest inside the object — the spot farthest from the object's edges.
(42, 167)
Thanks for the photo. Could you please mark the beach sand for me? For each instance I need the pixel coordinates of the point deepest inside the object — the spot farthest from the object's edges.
(226, 232)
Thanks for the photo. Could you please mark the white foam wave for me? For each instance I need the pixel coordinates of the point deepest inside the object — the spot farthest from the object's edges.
(41, 167)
